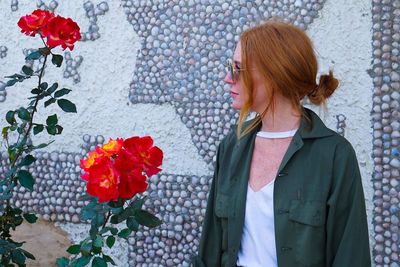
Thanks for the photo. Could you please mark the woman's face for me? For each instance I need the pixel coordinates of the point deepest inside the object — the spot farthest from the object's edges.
(237, 86)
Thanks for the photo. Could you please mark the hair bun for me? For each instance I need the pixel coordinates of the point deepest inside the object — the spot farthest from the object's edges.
(327, 85)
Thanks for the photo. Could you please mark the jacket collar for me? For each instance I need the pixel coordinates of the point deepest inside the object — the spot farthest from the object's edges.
(311, 126)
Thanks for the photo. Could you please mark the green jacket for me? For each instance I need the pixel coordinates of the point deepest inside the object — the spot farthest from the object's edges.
(320, 216)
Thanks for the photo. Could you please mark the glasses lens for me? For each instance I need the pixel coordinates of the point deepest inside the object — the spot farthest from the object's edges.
(233, 74)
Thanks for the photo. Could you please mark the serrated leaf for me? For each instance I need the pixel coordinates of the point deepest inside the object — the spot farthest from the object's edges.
(61, 92)
(62, 262)
(49, 102)
(34, 55)
(37, 129)
(52, 88)
(26, 179)
(30, 217)
(27, 70)
(147, 219)
(28, 160)
(74, 249)
(110, 241)
(66, 105)
(57, 60)
(99, 262)
(10, 117)
(124, 233)
(52, 120)
(24, 114)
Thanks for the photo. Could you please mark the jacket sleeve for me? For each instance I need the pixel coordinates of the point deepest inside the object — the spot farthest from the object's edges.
(209, 254)
(347, 228)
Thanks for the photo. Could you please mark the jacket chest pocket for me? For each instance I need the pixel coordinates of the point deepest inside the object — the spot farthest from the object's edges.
(223, 211)
(309, 222)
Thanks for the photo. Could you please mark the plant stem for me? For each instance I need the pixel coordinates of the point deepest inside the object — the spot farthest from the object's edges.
(106, 220)
(32, 114)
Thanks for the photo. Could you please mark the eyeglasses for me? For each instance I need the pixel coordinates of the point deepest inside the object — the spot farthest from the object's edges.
(233, 70)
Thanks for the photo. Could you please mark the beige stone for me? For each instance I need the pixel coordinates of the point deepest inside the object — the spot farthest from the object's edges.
(44, 240)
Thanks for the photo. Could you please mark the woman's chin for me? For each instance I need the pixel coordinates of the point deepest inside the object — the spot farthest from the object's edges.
(236, 105)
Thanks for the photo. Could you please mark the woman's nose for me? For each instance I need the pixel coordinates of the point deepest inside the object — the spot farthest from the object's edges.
(228, 79)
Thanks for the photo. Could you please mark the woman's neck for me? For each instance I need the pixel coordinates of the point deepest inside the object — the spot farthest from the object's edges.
(284, 118)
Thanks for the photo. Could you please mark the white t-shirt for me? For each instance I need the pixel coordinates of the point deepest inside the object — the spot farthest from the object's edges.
(257, 247)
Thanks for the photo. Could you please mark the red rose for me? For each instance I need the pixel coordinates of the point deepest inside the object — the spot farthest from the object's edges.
(61, 31)
(103, 180)
(132, 183)
(31, 24)
(144, 153)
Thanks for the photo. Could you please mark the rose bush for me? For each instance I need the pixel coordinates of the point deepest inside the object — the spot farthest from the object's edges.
(22, 124)
(116, 173)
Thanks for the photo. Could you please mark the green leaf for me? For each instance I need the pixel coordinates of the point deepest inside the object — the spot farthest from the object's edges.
(62, 262)
(28, 255)
(99, 262)
(66, 105)
(98, 242)
(113, 230)
(61, 92)
(83, 261)
(124, 233)
(147, 219)
(26, 179)
(36, 91)
(110, 241)
(108, 259)
(52, 130)
(86, 248)
(52, 88)
(27, 70)
(11, 82)
(132, 224)
(30, 217)
(49, 102)
(43, 85)
(10, 117)
(34, 55)
(74, 249)
(24, 114)
(57, 60)
(18, 257)
(52, 120)
(37, 129)
(28, 160)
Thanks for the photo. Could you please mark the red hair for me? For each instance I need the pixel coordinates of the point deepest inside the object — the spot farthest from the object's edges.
(285, 57)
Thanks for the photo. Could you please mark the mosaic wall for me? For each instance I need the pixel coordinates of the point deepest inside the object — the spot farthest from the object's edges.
(184, 45)
(386, 125)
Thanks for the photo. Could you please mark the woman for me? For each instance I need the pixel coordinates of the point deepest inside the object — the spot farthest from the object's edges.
(287, 190)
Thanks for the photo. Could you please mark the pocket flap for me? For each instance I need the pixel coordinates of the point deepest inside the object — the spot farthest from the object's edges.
(222, 205)
(307, 212)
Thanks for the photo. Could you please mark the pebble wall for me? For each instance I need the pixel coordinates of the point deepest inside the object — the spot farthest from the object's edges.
(184, 45)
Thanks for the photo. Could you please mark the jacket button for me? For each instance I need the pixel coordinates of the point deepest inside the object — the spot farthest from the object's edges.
(281, 174)
(286, 248)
